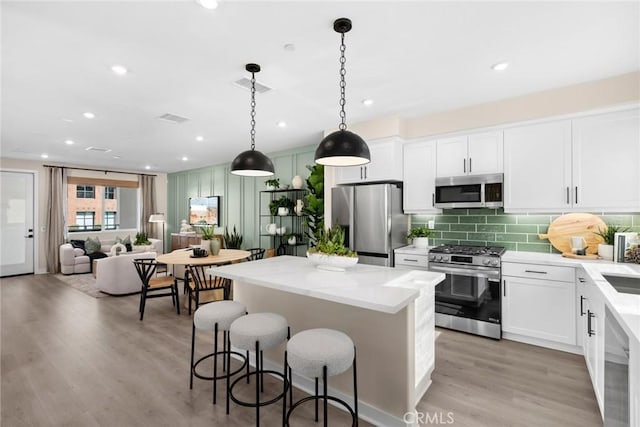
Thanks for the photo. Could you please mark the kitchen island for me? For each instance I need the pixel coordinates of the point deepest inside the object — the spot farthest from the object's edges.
(388, 313)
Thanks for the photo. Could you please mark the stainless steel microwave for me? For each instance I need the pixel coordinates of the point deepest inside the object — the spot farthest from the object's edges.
(474, 191)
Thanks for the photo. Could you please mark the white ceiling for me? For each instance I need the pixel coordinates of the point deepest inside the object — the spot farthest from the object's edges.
(412, 58)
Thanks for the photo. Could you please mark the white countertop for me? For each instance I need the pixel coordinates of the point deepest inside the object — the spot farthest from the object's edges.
(626, 307)
(372, 287)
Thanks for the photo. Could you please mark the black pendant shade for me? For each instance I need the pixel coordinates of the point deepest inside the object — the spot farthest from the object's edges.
(252, 163)
(342, 148)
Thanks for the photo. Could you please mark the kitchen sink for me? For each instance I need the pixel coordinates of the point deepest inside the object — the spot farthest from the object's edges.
(624, 284)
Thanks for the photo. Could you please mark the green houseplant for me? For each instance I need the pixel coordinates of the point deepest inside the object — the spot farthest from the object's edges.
(141, 239)
(605, 249)
(330, 253)
(272, 184)
(420, 236)
(314, 203)
(282, 202)
(232, 240)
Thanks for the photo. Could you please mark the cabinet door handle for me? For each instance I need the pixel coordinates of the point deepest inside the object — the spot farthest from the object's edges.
(365, 172)
(504, 288)
(361, 172)
(589, 316)
(469, 164)
(576, 199)
(567, 195)
(581, 306)
(464, 165)
(433, 199)
(535, 271)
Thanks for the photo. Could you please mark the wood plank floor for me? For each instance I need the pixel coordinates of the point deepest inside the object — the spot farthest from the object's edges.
(68, 359)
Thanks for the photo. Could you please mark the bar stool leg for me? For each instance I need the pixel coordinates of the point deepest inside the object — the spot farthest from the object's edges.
(228, 357)
(324, 387)
(284, 391)
(224, 349)
(215, 362)
(193, 343)
(316, 399)
(258, 381)
(261, 372)
(355, 386)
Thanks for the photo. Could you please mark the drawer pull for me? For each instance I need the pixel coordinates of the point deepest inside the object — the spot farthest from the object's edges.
(581, 305)
(590, 314)
(535, 271)
(407, 259)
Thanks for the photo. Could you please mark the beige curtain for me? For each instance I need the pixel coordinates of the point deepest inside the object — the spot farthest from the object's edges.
(55, 217)
(148, 203)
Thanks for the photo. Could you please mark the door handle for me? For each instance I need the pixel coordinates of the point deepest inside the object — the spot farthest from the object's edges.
(29, 236)
(581, 306)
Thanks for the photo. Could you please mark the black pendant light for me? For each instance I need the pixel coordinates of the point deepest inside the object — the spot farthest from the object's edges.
(342, 147)
(252, 162)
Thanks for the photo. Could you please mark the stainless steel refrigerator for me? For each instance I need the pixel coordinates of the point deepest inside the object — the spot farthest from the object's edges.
(371, 215)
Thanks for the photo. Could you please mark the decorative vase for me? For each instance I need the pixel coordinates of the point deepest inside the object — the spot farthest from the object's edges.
(271, 228)
(605, 251)
(291, 240)
(215, 246)
(297, 182)
(282, 211)
(420, 242)
(299, 206)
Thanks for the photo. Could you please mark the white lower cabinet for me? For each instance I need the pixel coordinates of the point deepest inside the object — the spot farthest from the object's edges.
(536, 305)
(591, 316)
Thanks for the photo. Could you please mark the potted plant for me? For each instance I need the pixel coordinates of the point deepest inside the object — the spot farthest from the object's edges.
(232, 240)
(208, 239)
(281, 206)
(314, 203)
(293, 238)
(272, 184)
(605, 249)
(141, 243)
(330, 253)
(420, 236)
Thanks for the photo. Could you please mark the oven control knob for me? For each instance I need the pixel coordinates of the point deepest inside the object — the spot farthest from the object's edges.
(445, 258)
(439, 258)
(432, 257)
(494, 262)
(486, 261)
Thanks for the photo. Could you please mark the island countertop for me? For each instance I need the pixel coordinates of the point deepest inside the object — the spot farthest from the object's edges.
(382, 289)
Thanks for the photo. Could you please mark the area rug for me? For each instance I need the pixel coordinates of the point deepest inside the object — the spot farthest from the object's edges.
(83, 282)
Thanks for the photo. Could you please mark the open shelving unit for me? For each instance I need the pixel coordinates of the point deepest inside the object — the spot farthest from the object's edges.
(293, 223)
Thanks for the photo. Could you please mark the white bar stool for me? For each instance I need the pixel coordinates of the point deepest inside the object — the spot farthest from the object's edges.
(322, 353)
(258, 332)
(216, 316)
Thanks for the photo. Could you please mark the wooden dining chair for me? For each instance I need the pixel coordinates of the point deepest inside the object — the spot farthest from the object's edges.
(153, 286)
(204, 287)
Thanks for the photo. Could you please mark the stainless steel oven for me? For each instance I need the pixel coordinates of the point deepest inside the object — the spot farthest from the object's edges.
(468, 299)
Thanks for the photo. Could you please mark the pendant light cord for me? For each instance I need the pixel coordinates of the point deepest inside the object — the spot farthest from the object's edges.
(253, 111)
(343, 86)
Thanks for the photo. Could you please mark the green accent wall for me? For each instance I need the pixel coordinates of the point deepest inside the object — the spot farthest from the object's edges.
(239, 195)
(518, 232)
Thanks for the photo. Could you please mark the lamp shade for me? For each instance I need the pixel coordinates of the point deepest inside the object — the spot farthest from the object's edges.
(342, 148)
(252, 163)
(157, 217)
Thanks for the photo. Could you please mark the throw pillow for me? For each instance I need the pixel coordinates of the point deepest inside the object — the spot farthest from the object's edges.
(92, 245)
(78, 244)
(126, 242)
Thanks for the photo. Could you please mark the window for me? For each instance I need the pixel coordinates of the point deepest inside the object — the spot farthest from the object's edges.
(85, 192)
(110, 193)
(85, 221)
(109, 222)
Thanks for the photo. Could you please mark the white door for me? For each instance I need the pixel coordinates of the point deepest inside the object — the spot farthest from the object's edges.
(452, 156)
(16, 223)
(485, 153)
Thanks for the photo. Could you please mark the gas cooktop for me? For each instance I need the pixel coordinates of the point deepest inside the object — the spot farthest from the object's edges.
(495, 251)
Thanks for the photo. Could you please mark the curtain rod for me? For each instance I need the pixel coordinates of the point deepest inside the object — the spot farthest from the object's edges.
(98, 170)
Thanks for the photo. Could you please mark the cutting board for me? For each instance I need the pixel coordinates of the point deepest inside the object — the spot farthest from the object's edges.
(588, 256)
(575, 224)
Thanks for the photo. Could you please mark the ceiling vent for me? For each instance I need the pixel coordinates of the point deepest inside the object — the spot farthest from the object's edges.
(245, 83)
(172, 118)
(98, 149)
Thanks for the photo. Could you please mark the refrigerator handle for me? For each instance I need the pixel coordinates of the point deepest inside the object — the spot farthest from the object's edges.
(352, 218)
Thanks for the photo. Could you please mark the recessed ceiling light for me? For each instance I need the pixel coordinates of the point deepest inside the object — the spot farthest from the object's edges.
(199, 138)
(500, 66)
(69, 142)
(119, 70)
(44, 155)
(147, 167)
(208, 4)
(88, 115)
(116, 157)
(282, 124)
(367, 102)
(67, 120)
(289, 47)
(185, 158)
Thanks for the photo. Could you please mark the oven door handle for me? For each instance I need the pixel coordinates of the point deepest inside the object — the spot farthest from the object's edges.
(490, 275)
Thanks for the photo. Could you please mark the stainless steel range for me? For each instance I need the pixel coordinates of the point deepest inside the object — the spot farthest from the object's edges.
(469, 297)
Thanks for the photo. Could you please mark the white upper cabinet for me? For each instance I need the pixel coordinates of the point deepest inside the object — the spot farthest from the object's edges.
(475, 154)
(537, 167)
(419, 177)
(585, 164)
(606, 162)
(385, 165)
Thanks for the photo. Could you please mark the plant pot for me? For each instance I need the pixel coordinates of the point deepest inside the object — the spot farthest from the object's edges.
(332, 262)
(283, 211)
(291, 240)
(605, 251)
(215, 246)
(420, 242)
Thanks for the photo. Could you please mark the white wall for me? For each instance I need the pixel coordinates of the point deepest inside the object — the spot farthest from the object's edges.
(41, 202)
